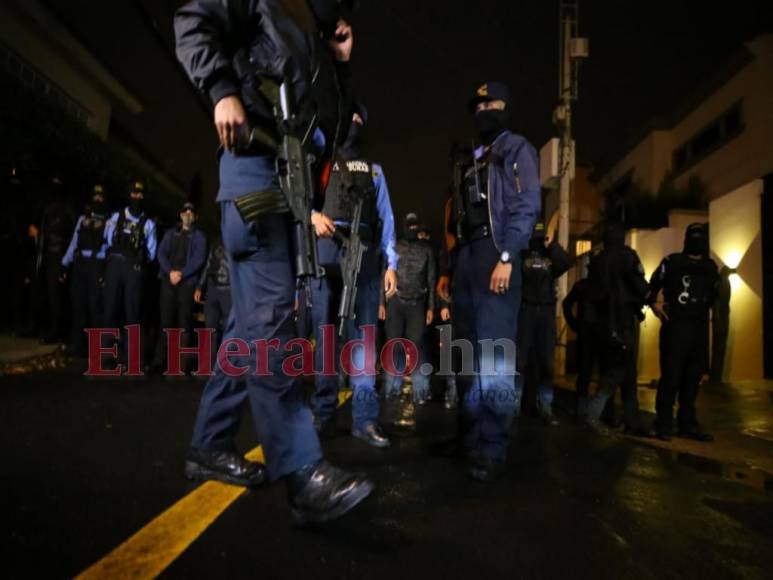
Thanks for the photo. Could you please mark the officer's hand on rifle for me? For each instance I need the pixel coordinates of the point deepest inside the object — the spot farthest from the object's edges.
(430, 317)
(197, 296)
(323, 225)
(342, 42)
(390, 283)
(382, 312)
(442, 288)
(445, 314)
(230, 121)
(500, 278)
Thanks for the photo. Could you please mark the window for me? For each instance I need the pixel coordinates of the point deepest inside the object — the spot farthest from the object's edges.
(727, 126)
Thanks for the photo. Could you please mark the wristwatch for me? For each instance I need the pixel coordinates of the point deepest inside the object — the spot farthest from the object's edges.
(504, 257)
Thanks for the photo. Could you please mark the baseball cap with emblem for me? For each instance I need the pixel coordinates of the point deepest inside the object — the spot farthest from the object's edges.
(490, 91)
(137, 186)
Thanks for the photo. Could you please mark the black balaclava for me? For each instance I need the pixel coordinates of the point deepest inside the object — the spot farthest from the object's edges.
(352, 147)
(614, 236)
(490, 123)
(327, 12)
(696, 240)
(98, 208)
(537, 243)
(136, 206)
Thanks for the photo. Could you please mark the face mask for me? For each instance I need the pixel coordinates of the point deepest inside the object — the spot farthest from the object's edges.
(696, 246)
(537, 244)
(352, 147)
(328, 13)
(489, 124)
(187, 220)
(411, 234)
(135, 206)
(98, 208)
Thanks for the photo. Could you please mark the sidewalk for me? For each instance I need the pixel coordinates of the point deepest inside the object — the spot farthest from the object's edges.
(23, 355)
(739, 415)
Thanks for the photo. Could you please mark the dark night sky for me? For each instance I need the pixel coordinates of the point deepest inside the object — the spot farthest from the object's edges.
(416, 64)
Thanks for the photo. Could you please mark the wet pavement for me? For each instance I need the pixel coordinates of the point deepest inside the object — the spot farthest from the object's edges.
(86, 464)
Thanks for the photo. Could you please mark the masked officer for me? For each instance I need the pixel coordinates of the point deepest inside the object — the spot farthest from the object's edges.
(618, 290)
(227, 48)
(689, 283)
(131, 242)
(55, 229)
(86, 256)
(181, 257)
(353, 179)
(214, 291)
(495, 210)
(542, 265)
(412, 309)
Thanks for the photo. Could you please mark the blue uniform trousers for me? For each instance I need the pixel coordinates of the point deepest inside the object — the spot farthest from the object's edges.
(489, 397)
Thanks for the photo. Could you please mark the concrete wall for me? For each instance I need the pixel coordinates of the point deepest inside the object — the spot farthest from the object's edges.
(736, 241)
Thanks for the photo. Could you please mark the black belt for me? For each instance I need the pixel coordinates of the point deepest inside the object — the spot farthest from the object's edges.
(479, 233)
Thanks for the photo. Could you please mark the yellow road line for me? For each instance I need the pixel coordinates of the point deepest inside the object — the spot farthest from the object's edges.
(152, 549)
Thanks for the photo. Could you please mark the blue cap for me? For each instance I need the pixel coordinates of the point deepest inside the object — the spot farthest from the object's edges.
(490, 91)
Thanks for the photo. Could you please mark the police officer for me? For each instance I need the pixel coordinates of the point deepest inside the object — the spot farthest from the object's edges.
(353, 178)
(214, 291)
(55, 229)
(181, 257)
(495, 212)
(412, 309)
(689, 282)
(542, 266)
(86, 256)
(131, 242)
(226, 48)
(618, 289)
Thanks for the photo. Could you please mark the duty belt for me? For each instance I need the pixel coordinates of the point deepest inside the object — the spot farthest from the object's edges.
(479, 233)
(253, 205)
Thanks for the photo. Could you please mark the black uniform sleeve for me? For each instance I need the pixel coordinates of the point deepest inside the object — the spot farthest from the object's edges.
(656, 282)
(205, 36)
(204, 278)
(431, 278)
(568, 307)
(560, 259)
(635, 279)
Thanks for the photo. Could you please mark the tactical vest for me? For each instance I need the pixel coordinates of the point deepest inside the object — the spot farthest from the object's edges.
(91, 234)
(689, 285)
(129, 238)
(475, 196)
(347, 185)
(181, 242)
(538, 285)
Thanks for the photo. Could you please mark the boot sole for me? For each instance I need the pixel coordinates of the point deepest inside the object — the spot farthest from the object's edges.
(196, 472)
(357, 495)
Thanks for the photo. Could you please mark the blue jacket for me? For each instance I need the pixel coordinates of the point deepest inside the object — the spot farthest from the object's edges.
(515, 194)
(197, 253)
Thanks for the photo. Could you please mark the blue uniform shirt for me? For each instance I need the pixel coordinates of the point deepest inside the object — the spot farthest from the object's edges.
(150, 232)
(70, 255)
